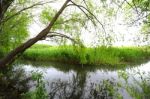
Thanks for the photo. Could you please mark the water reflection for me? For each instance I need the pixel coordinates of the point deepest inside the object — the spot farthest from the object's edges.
(13, 82)
(77, 82)
(77, 89)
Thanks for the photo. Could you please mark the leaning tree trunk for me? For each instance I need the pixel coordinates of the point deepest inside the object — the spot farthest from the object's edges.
(14, 53)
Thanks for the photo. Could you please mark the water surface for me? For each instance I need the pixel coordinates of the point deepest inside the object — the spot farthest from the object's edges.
(83, 82)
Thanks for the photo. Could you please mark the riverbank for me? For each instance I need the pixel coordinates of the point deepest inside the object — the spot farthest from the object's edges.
(87, 56)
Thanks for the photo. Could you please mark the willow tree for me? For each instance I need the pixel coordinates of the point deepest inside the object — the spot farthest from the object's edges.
(48, 30)
(14, 22)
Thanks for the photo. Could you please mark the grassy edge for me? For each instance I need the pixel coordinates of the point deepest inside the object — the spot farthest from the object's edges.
(112, 56)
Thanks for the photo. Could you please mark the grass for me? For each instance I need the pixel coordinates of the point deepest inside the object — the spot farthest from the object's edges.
(92, 56)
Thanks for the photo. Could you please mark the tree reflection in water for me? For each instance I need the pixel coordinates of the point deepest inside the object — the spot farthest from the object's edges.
(77, 89)
(13, 83)
(78, 85)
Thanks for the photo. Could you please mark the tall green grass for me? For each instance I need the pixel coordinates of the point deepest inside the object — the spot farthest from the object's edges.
(82, 55)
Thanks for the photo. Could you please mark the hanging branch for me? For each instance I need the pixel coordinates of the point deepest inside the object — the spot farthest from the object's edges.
(54, 34)
(82, 8)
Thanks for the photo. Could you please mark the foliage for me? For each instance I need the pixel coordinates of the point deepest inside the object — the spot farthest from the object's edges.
(144, 6)
(13, 83)
(14, 31)
(40, 91)
(70, 25)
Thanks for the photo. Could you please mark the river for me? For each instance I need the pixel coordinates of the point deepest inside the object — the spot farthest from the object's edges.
(85, 82)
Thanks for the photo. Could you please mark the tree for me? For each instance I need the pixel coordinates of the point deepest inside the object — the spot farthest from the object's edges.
(14, 30)
(56, 22)
(14, 23)
(9, 58)
(17, 51)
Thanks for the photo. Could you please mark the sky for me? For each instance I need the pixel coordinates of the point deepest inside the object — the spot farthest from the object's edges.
(129, 34)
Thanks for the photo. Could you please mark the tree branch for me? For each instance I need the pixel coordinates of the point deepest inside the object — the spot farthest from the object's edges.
(139, 18)
(134, 7)
(53, 34)
(17, 13)
(91, 18)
